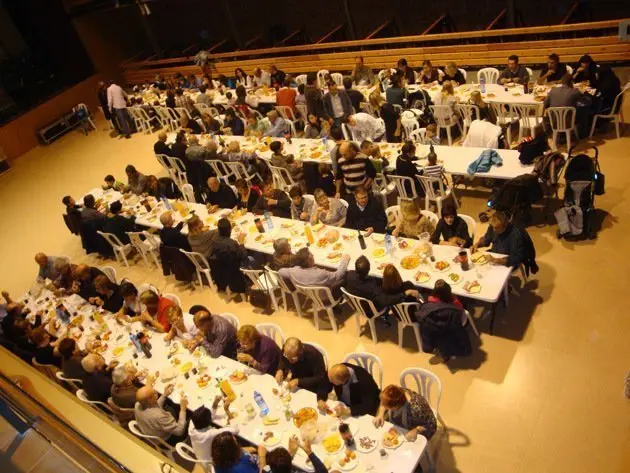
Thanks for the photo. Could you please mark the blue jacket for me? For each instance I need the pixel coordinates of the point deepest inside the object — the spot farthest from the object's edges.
(485, 161)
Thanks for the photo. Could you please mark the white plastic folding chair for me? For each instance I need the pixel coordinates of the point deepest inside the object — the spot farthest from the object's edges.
(439, 195)
(182, 112)
(405, 186)
(562, 120)
(489, 74)
(322, 300)
(347, 132)
(272, 331)
(167, 117)
(144, 248)
(159, 444)
(48, 370)
(239, 171)
(204, 108)
(189, 193)
(302, 111)
(220, 169)
(506, 117)
(281, 178)
(403, 311)
(418, 135)
(88, 115)
(286, 112)
(393, 214)
(467, 114)
(614, 114)
(468, 319)
(530, 73)
(409, 126)
(122, 414)
(321, 81)
(444, 118)
(471, 224)
(369, 362)
(233, 319)
(187, 453)
(284, 290)
(320, 349)
(366, 107)
(144, 287)
(144, 119)
(120, 250)
(264, 282)
(110, 273)
(82, 395)
(300, 79)
(178, 171)
(173, 298)
(425, 383)
(201, 267)
(75, 384)
(463, 72)
(433, 218)
(529, 116)
(337, 78)
(364, 308)
(344, 202)
(163, 160)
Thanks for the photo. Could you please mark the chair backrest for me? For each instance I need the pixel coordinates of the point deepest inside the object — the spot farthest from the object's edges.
(47, 370)
(443, 115)
(616, 106)
(302, 111)
(467, 112)
(163, 160)
(344, 202)
(173, 298)
(404, 310)
(233, 319)
(198, 260)
(136, 241)
(530, 73)
(152, 239)
(405, 186)
(429, 188)
(418, 135)
(321, 296)
(282, 283)
(183, 112)
(122, 414)
(320, 77)
(393, 214)
(258, 278)
(561, 118)
(203, 108)
(82, 395)
(347, 132)
(110, 273)
(74, 383)
(148, 287)
(463, 72)
(569, 69)
(368, 361)
(282, 178)
(272, 331)
(320, 349)
(489, 74)
(285, 112)
(366, 107)
(238, 170)
(112, 239)
(409, 126)
(220, 169)
(433, 218)
(157, 442)
(187, 453)
(189, 193)
(426, 383)
(359, 304)
(301, 79)
(338, 78)
(471, 224)
(504, 112)
(528, 114)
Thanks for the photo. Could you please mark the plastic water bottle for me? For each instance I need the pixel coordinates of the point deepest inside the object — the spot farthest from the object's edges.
(262, 405)
(325, 141)
(388, 243)
(268, 220)
(135, 342)
(482, 84)
(167, 204)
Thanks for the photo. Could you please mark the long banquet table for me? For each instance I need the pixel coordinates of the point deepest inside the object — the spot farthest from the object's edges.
(118, 347)
(492, 278)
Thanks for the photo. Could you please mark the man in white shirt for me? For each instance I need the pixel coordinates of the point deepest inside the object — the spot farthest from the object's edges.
(261, 78)
(365, 127)
(201, 430)
(117, 103)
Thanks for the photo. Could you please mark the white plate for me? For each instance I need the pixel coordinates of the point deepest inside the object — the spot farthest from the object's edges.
(448, 268)
(348, 466)
(360, 449)
(304, 466)
(451, 282)
(272, 442)
(401, 440)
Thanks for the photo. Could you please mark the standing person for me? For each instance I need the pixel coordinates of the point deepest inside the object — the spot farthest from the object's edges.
(117, 104)
(514, 72)
(354, 170)
(337, 105)
(366, 127)
(102, 99)
(314, 101)
(356, 97)
(361, 74)
(390, 115)
(285, 97)
(396, 93)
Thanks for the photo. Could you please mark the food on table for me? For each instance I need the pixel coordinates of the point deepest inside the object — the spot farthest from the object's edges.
(267, 436)
(337, 246)
(349, 237)
(410, 262)
(403, 244)
(78, 320)
(334, 256)
(174, 348)
(275, 391)
(332, 235)
(259, 238)
(253, 229)
(186, 367)
(118, 351)
(472, 287)
(479, 258)
(381, 266)
(238, 376)
(442, 265)
(390, 439)
(270, 420)
(197, 353)
(347, 459)
(378, 252)
(366, 443)
(176, 361)
(304, 415)
(317, 227)
(286, 225)
(203, 380)
(106, 335)
(491, 95)
(332, 443)
(454, 278)
(516, 94)
(316, 154)
(378, 238)
(322, 243)
(422, 277)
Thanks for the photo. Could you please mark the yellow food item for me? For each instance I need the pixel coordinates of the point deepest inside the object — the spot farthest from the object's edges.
(269, 420)
(118, 351)
(304, 415)
(410, 262)
(378, 253)
(332, 443)
(186, 367)
(422, 277)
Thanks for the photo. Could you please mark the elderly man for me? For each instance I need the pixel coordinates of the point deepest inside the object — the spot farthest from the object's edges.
(366, 127)
(172, 235)
(354, 387)
(125, 385)
(353, 170)
(216, 334)
(514, 72)
(89, 212)
(49, 269)
(273, 200)
(195, 152)
(257, 350)
(154, 420)
(361, 74)
(261, 78)
(301, 366)
(278, 126)
(505, 239)
(97, 383)
(337, 105)
(136, 181)
(160, 146)
(366, 213)
(212, 150)
(219, 195)
(307, 274)
(83, 277)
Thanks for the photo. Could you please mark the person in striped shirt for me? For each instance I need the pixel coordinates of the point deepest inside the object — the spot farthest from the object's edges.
(433, 169)
(354, 169)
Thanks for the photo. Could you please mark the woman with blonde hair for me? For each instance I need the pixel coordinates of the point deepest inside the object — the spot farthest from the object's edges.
(412, 222)
(447, 95)
(182, 325)
(406, 409)
(389, 114)
(485, 112)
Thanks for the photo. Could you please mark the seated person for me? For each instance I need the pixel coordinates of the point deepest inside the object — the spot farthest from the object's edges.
(70, 359)
(359, 283)
(194, 151)
(273, 200)
(108, 295)
(131, 302)
(514, 72)
(117, 224)
(315, 128)
(406, 167)
(189, 125)
(504, 238)
(202, 431)
(219, 195)
(305, 273)
(255, 127)
(229, 457)
(71, 204)
(257, 351)
(160, 146)
(302, 366)
(554, 70)
(328, 210)
(136, 181)
(89, 212)
(406, 409)
(280, 459)
(431, 137)
(211, 124)
(451, 229)
(97, 383)
(83, 280)
(154, 314)
(172, 235)
(366, 213)
(48, 269)
(200, 237)
(453, 74)
(534, 147)
(247, 197)
(282, 256)
(216, 334)
(226, 258)
(154, 420)
(393, 285)
(412, 222)
(125, 385)
(233, 124)
(278, 126)
(112, 183)
(354, 387)
(179, 147)
(182, 325)
(326, 179)
(301, 208)
(44, 347)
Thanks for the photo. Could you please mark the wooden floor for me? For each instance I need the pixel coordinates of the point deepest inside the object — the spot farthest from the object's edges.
(544, 394)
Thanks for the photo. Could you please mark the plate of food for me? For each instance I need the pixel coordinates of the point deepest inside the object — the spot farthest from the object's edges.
(348, 462)
(186, 367)
(454, 278)
(392, 439)
(472, 287)
(334, 256)
(333, 443)
(479, 258)
(304, 415)
(410, 262)
(337, 246)
(318, 226)
(259, 238)
(118, 351)
(322, 243)
(271, 420)
(365, 444)
(491, 95)
(269, 438)
(349, 237)
(422, 277)
(203, 381)
(442, 266)
(379, 252)
(316, 154)
(238, 377)
(403, 244)
(175, 361)
(174, 348)
(287, 225)
(378, 238)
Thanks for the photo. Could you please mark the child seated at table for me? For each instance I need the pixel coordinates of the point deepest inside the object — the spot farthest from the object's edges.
(112, 183)
(286, 161)
(326, 180)
(431, 137)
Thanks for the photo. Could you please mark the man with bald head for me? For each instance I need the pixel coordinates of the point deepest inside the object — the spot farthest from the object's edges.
(354, 387)
(172, 235)
(160, 146)
(216, 334)
(301, 365)
(354, 170)
(154, 420)
(219, 195)
(48, 269)
(278, 126)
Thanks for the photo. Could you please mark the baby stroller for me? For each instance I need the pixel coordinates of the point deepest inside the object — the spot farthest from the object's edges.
(515, 198)
(575, 216)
